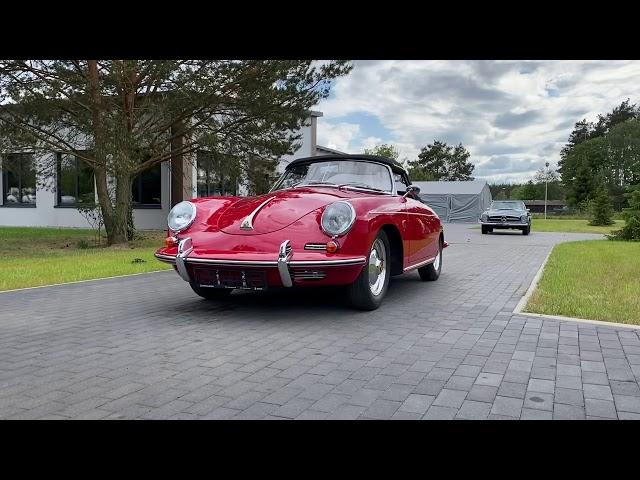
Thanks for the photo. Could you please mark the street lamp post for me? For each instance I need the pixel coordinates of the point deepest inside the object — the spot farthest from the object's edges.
(546, 179)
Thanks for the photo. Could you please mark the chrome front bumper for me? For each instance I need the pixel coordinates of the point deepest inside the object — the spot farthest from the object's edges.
(504, 224)
(283, 262)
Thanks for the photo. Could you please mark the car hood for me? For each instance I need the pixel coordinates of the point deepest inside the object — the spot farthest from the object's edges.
(276, 210)
(506, 213)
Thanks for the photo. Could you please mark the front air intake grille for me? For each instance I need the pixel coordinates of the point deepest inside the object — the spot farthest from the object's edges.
(308, 275)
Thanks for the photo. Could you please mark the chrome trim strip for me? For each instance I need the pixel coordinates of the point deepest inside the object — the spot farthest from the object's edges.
(165, 258)
(185, 247)
(247, 223)
(269, 263)
(329, 263)
(420, 264)
(284, 256)
(505, 224)
(316, 246)
(242, 263)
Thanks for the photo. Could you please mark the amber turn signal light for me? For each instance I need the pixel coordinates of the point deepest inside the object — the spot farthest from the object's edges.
(332, 246)
(170, 242)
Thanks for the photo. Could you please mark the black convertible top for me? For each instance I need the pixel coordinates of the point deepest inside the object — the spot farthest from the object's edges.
(395, 166)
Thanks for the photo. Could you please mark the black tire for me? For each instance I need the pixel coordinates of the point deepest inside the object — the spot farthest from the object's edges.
(429, 273)
(211, 293)
(359, 293)
(490, 229)
(526, 230)
(484, 230)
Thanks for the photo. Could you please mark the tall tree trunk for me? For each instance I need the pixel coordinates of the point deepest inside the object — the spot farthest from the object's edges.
(122, 210)
(106, 207)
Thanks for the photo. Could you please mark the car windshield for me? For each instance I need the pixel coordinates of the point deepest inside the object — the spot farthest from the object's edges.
(359, 174)
(507, 206)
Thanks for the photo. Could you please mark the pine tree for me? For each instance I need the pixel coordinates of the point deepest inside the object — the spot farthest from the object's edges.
(601, 208)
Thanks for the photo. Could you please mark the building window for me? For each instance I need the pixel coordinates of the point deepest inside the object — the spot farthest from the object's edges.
(147, 188)
(217, 174)
(76, 185)
(19, 180)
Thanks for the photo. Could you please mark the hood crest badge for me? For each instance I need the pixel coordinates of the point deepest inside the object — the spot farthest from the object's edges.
(247, 223)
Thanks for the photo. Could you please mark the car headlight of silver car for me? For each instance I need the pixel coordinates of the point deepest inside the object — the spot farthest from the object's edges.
(338, 218)
(524, 218)
(181, 216)
(484, 217)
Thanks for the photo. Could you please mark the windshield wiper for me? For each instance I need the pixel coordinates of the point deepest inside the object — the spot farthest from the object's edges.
(313, 184)
(360, 185)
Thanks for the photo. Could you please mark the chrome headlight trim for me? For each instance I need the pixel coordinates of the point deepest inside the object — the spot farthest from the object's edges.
(345, 229)
(524, 218)
(172, 222)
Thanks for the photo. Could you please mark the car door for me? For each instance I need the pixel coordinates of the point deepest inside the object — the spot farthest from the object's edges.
(422, 230)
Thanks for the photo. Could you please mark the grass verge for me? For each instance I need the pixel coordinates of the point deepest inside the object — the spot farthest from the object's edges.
(595, 280)
(35, 257)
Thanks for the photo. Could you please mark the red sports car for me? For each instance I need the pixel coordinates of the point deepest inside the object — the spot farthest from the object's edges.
(351, 220)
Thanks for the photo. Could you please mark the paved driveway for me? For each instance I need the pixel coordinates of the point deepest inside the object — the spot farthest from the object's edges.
(147, 347)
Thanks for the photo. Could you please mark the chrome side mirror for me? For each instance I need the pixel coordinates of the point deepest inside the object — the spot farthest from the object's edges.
(411, 190)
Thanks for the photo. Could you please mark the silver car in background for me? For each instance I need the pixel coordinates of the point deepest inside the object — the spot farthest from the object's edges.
(506, 214)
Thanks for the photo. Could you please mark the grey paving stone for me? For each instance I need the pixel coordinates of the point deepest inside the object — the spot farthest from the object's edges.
(532, 414)
(600, 408)
(507, 406)
(416, 403)
(509, 389)
(489, 379)
(450, 398)
(472, 410)
(538, 401)
(627, 403)
(569, 396)
(482, 393)
(437, 412)
(543, 386)
(568, 412)
(601, 392)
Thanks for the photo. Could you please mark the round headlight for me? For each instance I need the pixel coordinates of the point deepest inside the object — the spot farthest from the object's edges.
(484, 217)
(524, 218)
(338, 218)
(181, 216)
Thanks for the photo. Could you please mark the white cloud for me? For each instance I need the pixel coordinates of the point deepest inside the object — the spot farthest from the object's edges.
(522, 111)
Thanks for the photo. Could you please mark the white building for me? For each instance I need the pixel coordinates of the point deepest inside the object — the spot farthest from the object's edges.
(53, 201)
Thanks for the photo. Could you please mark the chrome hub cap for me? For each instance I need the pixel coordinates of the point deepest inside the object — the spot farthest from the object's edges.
(377, 267)
(436, 262)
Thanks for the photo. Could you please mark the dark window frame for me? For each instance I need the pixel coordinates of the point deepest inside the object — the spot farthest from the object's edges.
(5, 181)
(76, 204)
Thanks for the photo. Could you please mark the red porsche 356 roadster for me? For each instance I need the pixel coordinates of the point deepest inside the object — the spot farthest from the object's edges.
(352, 220)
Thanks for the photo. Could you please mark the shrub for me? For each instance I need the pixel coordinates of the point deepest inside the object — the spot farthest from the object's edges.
(631, 215)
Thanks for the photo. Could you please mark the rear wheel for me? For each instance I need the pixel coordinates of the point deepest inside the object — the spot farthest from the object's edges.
(432, 271)
(211, 293)
(367, 292)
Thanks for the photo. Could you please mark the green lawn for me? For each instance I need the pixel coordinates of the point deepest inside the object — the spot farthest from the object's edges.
(597, 280)
(43, 256)
(572, 225)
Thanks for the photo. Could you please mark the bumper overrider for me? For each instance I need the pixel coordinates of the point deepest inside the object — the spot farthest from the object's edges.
(288, 269)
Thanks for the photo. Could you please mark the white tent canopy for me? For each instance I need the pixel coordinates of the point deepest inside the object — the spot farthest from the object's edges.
(456, 202)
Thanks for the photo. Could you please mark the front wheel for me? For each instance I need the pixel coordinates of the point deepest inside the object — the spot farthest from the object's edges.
(526, 230)
(432, 271)
(367, 292)
(211, 293)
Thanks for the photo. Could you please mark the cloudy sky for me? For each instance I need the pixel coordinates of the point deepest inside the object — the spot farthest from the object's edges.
(511, 115)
